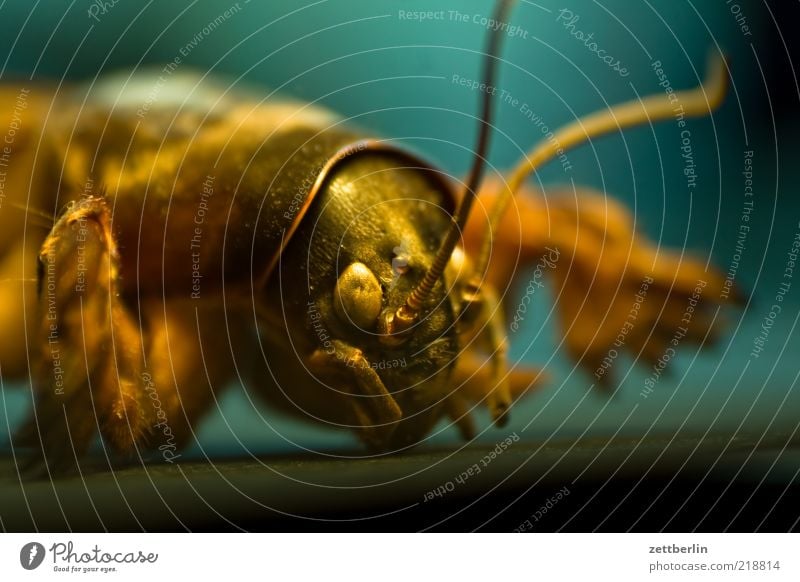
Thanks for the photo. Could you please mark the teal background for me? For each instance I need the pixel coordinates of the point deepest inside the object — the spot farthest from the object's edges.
(393, 76)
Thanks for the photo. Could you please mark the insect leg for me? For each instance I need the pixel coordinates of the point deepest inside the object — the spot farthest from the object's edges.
(457, 410)
(17, 309)
(379, 408)
(493, 336)
(482, 379)
(87, 374)
(188, 362)
(484, 327)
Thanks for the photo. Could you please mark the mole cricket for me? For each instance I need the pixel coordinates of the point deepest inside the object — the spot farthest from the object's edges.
(152, 255)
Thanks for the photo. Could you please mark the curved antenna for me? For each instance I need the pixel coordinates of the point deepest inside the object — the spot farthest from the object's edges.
(49, 219)
(697, 102)
(408, 313)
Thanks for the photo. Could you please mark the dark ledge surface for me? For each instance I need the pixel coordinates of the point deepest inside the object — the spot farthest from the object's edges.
(677, 484)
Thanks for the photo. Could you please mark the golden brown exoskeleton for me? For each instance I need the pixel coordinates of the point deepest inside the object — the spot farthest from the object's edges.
(191, 237)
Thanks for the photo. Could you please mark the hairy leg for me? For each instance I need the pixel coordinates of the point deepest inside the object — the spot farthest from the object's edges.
(614, 289)
(87, 375)
(18, 308)
(189, 363)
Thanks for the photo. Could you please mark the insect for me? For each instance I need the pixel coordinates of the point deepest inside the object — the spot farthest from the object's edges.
(189, 242)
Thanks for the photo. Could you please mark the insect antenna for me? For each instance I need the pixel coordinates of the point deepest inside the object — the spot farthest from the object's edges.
(34, 213)
(697, 102)
(408, 313)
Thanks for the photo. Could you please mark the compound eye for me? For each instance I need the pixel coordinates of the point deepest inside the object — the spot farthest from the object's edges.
(358, 296)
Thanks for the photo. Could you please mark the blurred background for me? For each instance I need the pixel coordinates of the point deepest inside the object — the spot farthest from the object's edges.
(394, 76)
